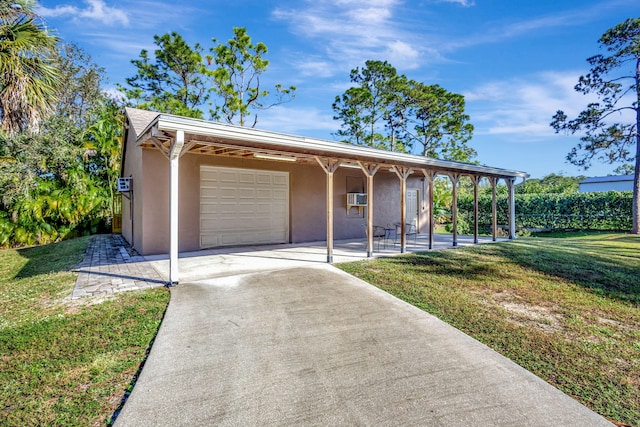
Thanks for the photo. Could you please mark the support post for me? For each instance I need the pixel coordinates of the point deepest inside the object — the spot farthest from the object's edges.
(369, 170)
(494, 209)
(403, 173)
(174, 162)
(455, 179)
(511, 185)
(329, 166)
(475, 179)
(430, 176)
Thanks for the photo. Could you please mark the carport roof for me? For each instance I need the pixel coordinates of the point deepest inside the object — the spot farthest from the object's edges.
(154, 130)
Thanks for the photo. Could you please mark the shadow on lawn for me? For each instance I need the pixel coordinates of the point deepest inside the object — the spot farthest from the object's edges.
(454, 264)
(610, 267)
(52, 258)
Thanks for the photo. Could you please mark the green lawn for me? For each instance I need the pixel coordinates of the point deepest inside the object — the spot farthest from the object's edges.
(66, 362)
(566, 308)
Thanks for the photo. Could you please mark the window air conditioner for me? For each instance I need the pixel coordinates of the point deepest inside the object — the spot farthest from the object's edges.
(356, 199)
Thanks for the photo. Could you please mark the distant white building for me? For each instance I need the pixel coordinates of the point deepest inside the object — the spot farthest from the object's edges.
(606, 183)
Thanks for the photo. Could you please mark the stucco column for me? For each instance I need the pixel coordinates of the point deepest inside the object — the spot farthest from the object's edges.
(430, 176)
(512, 207)
(455, 179)
(329, 166)
(174, 162)
(370, 171)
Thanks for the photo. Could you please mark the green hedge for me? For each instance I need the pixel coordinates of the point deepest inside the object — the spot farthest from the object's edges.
(609, 211)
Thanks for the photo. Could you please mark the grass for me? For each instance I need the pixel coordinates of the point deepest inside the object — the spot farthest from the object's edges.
(566, 307)
(65, 362)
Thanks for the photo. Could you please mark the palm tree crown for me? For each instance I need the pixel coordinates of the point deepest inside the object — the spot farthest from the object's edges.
(28, 75)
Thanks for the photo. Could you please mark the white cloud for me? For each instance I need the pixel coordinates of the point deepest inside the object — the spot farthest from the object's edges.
(314, 67)
(496, 31)
(349, 33)
(465, 3)
(297, 120)
(122, 44)
(402, 55)
(96, 10)
(524, 107)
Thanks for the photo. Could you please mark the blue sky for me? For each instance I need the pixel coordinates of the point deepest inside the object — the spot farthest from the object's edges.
(516, 62)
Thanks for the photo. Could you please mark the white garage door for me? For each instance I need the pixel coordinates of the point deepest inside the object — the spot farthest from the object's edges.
(243, 206)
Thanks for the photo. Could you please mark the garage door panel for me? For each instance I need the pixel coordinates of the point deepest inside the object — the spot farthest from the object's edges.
(245, 193)
(263, 193)
(264, 178)
(246, 178)
(208, 193)
(243, 206)
(281, 180)
(279, 194)
(228, 176)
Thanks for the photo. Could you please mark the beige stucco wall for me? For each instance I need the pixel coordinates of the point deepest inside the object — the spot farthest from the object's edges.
(307, 199)
(386, 199)
(132, 217)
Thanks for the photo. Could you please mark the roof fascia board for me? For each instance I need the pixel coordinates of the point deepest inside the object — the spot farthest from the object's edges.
(221, 130)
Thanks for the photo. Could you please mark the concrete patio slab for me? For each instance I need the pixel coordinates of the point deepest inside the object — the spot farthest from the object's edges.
(221, 262)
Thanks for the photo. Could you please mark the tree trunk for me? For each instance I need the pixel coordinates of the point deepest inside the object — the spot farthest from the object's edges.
(636, 176)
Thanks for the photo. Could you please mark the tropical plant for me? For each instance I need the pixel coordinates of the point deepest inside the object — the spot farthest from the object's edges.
(28, 76)
(57, 182)
(103, 143)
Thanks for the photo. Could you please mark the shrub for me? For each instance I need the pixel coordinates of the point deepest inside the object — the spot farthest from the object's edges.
(610, 211)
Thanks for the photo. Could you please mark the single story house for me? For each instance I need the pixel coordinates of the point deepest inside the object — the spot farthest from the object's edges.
(606, 183)
(192, 184)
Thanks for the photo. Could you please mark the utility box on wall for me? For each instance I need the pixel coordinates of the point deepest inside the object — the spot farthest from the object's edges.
(124, 185)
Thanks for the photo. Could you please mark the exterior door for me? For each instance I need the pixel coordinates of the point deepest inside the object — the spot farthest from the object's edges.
(412, 207)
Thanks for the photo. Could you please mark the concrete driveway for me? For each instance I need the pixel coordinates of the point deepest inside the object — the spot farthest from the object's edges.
(312, 345)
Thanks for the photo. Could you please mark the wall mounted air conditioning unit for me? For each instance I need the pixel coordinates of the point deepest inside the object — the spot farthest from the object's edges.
(356, 199)
(124, 185)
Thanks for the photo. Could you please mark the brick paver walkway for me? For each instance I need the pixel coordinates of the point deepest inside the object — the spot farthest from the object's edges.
(110, 265)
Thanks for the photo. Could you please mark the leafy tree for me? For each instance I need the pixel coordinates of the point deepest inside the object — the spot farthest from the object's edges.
(624, 169)
(80, 95)
(173, 81)
(350, 108)
(615, 79)
(176, 79)
(28, 76)
(364, 109)
(56, 182)
(386, 110)
(102, 143)
(550, 184)
(236, 79)
(440, 125)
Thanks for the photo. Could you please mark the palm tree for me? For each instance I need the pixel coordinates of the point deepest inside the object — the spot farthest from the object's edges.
(28, 75)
